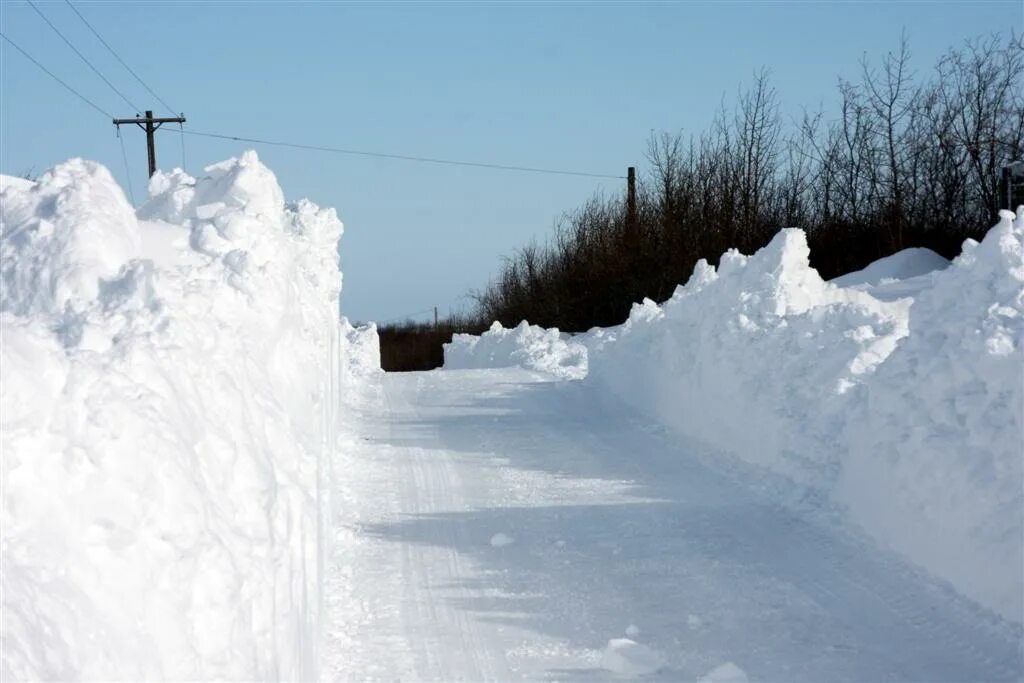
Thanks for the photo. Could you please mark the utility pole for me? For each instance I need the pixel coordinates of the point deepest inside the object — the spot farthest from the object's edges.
(435, 317)
(146, 123)
(631, 226)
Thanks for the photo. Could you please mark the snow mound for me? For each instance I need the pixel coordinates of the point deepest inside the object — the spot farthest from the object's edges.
(500, 540)
(170, 383)
(902, 265)
(741, 356)
(725, 673)
(627, 657)
(527, 346)
(360, 353)
(908, 412)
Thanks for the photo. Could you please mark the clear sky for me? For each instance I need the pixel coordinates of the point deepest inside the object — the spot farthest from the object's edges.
(576, 86)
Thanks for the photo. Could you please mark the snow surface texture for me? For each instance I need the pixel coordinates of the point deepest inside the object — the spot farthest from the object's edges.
(526, 346)
(170, 392)
(906, 412)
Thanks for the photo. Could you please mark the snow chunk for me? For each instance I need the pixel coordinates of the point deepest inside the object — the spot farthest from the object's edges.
(725, 673)
(500, 540)
(527, 346)
(627, 657)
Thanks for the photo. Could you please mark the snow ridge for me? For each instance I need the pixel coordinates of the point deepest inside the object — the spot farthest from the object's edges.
(908, 413)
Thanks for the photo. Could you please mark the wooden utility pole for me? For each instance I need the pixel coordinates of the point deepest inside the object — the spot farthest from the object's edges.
(146, 123)
(631, 226)
(435, 317)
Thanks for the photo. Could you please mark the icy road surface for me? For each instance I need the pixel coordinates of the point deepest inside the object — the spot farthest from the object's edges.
(494, 526)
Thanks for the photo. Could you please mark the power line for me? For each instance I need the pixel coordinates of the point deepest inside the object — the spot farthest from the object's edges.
(56, 78)
(118, 57)
(81, 56)
(402, 157)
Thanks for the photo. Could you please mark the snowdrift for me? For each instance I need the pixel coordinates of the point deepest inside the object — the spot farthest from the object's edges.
(902, 265)
(898, 396)
(169, 404)
(908, 412)
(527, 346)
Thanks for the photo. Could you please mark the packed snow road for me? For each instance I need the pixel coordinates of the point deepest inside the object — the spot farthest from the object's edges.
(495, 526)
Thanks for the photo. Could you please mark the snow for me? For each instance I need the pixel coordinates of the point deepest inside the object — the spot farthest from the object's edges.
(725, 673)
(169, 404)
(527, 346)
(893, 393)
(756, 471)
(500, 540)
(936, 443)
(656, 530)
(627, 657)
(902, 265)
(907, 413)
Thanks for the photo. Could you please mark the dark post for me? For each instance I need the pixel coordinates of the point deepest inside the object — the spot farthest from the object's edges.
(435, 317)
(631, 198)
(150, 143)
(147, 124)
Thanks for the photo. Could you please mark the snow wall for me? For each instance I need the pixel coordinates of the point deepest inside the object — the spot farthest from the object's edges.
(906, 412)
(170, 394)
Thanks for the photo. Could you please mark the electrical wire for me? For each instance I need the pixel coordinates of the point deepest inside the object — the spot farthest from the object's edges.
(56, 78)
(81, 56)
(401, 157)
(118, 57)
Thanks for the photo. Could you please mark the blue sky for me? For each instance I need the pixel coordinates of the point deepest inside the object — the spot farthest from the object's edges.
(576, 86)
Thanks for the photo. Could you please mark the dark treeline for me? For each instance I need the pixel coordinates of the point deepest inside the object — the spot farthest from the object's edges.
(410, 345)
(904, 162)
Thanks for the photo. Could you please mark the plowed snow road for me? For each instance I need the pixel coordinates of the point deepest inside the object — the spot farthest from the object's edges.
(493, 526)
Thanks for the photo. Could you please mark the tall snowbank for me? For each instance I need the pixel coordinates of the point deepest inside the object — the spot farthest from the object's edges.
(919, 436)
(936, 444)
(525, 345)
(741, 356)
(169, 393)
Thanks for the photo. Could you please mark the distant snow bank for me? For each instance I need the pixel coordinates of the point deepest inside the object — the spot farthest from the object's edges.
(900, 395)
(527, 346)
(171, 382)
(902, 265)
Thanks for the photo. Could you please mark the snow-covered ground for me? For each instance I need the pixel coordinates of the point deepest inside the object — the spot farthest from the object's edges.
(623, 551)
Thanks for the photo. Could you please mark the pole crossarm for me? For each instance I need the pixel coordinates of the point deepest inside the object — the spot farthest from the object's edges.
(142, 119)
(150, 124)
